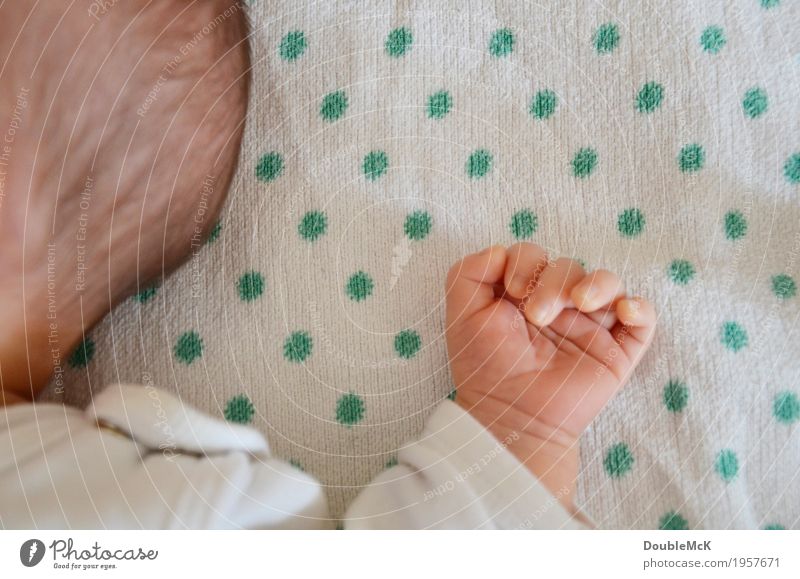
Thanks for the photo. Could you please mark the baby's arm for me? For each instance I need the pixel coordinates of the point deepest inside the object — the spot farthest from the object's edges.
(458, 476)
(137, 457)
(537, 348)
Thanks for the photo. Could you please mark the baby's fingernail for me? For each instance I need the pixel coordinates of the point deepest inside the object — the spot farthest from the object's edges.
(587, 294)
(488, 250)
(633, 308)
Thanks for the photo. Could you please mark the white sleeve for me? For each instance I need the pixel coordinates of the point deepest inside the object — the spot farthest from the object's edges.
(458, 476)
(140, 458)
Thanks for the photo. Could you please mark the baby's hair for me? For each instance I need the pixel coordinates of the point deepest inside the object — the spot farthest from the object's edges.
(200, 71)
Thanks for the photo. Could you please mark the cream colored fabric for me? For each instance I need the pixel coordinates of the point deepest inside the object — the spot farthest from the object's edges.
(738, 401)
(139, 458)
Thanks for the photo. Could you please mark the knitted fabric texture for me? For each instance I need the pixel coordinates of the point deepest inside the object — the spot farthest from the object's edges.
(385, 140)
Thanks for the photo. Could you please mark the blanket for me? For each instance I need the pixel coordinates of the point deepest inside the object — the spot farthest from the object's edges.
(384, 140)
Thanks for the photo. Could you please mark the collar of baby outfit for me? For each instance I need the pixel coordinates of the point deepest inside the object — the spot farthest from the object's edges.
(159, 420)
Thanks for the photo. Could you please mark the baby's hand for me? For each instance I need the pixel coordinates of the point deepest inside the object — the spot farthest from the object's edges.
(537, 348)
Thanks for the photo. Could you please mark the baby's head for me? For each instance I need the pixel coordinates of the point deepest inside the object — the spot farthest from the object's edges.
(127, 126)
(191, 101)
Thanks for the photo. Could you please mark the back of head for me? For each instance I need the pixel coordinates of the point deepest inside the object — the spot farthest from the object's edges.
(127, 119)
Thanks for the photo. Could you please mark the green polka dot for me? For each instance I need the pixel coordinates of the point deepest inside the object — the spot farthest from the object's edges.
(398, 42)
(479, 163)
(349, 409)
(676, 395)
(359, 287)
(83, 354)
(146, 294)
(407, 343)
(544, 104)
(296, 464)
(392, 462)
(774, 527)
(452, 395)
(735, 225)
(524, 224)
(297, 347)
(734, 337)
(712, 39)
(681, 271)
(375, 165)
(502, 42)
(754, 102)
(769, 3)
(786, 407)
(250, 286)
(269, 167)
(293, 45)
(418, 225)
(791, 169)
(672, 521)
(691, 158)
(727, 465)
(189, 347)
(630, 222)
(215, 231)
(584, 162)
(333, 105)
(649, 97)
(783, 286)
(439, 104)
(313, 225)
(606, 38)
(618, 460)
(239, 409)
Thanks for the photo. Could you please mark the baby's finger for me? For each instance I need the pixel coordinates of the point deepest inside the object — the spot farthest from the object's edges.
(471, 281)
(636, 326)
(526, 262)
(552, 292)
(606, 317)
(599, 289)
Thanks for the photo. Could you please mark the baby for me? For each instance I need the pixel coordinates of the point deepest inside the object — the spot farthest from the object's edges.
(110, 161)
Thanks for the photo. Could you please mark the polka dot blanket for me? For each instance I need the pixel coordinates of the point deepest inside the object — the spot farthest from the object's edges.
(384, 140)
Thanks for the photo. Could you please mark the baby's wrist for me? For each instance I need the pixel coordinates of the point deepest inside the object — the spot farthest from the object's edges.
(550, 454)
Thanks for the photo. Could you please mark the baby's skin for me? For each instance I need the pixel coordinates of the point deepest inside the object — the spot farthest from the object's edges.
(126, 121)
(537, 348)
